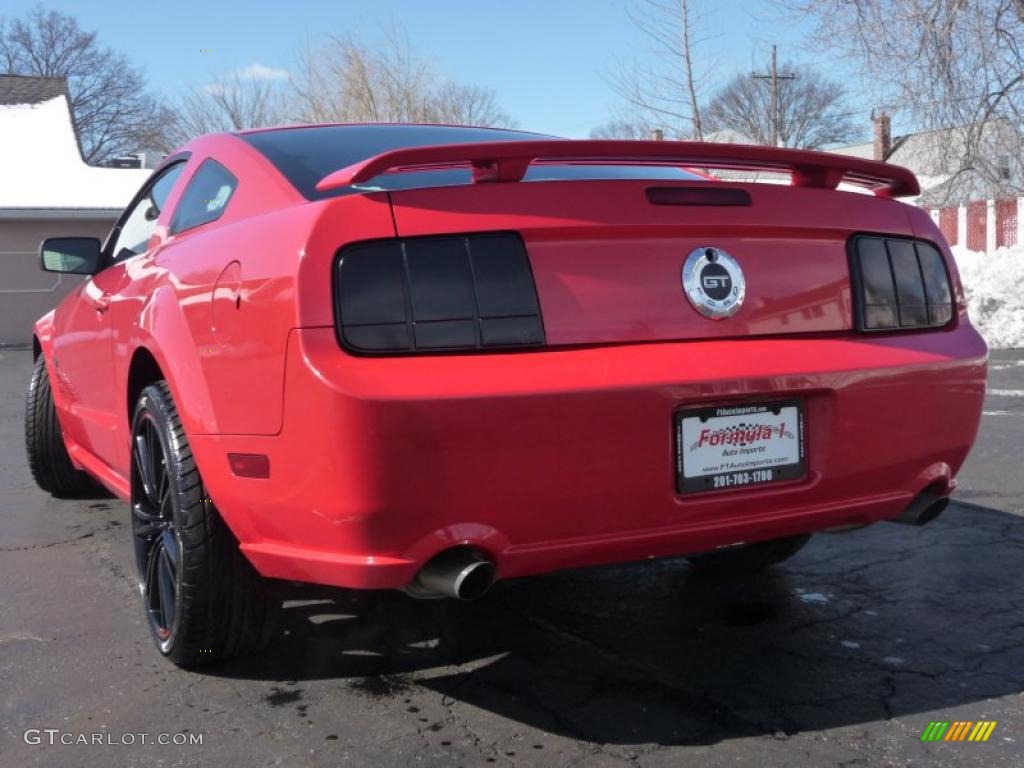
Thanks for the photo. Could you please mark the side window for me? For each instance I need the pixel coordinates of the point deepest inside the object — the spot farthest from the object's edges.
(205, 197)
(135, 229)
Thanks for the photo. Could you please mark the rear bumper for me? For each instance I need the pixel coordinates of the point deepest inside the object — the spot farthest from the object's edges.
(558, 459)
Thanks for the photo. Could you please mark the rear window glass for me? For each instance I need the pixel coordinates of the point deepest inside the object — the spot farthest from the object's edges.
(306, 155)
(205, 197)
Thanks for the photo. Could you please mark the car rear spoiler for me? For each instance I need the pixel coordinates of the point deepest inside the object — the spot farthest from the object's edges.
(507, 161)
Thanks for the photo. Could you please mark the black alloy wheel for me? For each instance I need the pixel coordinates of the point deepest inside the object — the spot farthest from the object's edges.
(204, 601)
(48, 459)
(157, 544)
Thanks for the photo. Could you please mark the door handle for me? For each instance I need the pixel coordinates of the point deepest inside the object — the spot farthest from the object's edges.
(100, 303)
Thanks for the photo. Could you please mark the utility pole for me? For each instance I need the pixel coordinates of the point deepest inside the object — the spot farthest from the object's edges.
(774, 78)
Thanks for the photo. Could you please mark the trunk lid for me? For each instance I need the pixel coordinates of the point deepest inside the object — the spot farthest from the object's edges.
(608, 263)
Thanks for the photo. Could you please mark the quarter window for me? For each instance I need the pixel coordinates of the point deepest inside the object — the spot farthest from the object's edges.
(135, 229)
(205, 197)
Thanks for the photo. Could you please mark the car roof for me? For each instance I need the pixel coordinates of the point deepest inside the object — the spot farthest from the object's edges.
(305, 154)
(386, 125)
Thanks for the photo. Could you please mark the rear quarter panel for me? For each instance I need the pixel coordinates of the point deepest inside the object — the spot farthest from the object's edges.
(232, 304)
(226, 379)
(215, 304)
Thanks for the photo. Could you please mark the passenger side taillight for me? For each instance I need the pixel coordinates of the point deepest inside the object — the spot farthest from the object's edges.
(436, 294)
(898, 284)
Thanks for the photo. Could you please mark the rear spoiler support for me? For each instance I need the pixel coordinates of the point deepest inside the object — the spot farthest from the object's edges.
(508, 161)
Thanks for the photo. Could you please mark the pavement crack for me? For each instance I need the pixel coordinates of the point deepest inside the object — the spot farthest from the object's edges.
(62, 542)
(697, 699)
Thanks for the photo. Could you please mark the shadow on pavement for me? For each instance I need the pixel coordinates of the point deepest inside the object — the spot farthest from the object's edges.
(885, 622)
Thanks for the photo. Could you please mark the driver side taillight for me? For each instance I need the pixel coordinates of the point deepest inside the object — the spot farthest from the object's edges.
(436, 294)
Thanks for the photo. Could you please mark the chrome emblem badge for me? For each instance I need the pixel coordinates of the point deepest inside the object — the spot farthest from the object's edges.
(713, 282)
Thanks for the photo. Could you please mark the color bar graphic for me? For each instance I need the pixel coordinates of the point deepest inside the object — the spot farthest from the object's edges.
(982, 731)
(934, 731)
(959, 730)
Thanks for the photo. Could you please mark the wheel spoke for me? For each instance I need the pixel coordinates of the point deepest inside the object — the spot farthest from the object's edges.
(155, 463)
(170, 545)
(159, 473)
(166, 577)
(143, 464)
(160, 582)
(143, 516)
(150, 585)
(163, 489)
(147, 525)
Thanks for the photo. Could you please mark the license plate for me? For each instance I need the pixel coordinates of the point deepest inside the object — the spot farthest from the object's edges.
(739, 446)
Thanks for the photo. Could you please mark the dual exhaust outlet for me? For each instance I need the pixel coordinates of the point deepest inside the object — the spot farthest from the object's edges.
(461, 572)
(465, 573)
(923, 509)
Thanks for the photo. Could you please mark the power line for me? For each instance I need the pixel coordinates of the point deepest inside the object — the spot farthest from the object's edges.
(903, 106)
(774, 77)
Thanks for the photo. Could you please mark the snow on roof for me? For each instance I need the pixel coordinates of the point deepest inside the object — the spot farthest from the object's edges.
(728, 136)
(920, 152)
(937, 159)
(865, 150)
(42, 167)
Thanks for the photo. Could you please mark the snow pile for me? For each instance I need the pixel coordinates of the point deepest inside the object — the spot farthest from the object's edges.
(41, 167)
(994, 284)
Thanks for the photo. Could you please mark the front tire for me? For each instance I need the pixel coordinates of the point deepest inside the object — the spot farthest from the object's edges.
(204, 601)
(48, 459)
(748, 558)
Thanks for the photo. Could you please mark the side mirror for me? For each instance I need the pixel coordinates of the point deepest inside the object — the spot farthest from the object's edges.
(74, 255)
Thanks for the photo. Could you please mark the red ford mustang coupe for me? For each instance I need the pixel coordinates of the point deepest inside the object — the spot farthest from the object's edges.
(427, 357)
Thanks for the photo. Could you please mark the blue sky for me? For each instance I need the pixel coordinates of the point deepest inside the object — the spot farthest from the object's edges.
(548, 61)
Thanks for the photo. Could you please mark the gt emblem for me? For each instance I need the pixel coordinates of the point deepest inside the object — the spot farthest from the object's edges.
(713, 282)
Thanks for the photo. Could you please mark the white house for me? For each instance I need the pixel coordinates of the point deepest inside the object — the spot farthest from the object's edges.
(974, 207)
(46, 190)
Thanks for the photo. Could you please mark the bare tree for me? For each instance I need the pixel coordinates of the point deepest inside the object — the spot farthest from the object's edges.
(635, 129)
(668, 90)
(229, 103)
(347, 80)
(811, 111)
(112, 111)
(956, 65)
(342, 80)
(463, 104)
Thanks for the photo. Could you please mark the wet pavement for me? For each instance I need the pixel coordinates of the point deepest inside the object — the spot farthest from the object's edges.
(841, 656)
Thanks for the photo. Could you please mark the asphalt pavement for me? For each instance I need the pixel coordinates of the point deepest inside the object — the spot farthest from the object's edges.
(842, 656)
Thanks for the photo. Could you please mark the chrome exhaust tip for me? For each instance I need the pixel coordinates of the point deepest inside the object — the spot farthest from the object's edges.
(461, 572)
(925, 508)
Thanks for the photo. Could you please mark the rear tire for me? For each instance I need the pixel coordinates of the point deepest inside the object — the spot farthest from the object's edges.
(204, 601)
(748, 558)
(48, 459)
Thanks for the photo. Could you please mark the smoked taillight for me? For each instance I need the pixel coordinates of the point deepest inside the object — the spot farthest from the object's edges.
(447, 293)
(898, 284)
